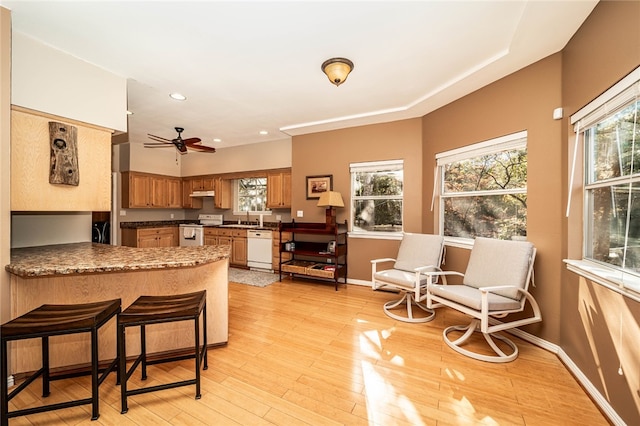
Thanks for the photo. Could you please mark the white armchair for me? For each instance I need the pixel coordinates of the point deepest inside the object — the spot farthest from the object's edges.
(495, 285)
(418, 254)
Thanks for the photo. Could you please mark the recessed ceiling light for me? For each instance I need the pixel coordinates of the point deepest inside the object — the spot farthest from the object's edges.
(217, 140)
(177, 96)
(264, 132)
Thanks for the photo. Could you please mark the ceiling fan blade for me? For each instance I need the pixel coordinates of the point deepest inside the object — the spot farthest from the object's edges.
(191, 141)
(202, 148)
(158, 146)
(159, 143)
(158, 138)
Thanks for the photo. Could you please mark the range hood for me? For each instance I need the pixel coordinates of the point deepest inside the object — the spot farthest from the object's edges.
(202, 194)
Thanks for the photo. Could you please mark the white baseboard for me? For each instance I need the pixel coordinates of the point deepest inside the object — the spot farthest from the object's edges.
(600, 400)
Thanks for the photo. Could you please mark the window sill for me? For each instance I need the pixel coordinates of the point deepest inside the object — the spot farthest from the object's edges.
(613, 279)
(376, 235)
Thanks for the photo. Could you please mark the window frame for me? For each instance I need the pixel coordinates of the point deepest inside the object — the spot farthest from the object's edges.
(379, 166)
(619, 279)
(236, 201)
(517, 140)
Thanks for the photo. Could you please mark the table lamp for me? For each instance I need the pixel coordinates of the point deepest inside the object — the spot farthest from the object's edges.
(330, 200)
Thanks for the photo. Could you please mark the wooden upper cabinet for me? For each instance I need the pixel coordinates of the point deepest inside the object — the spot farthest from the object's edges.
(209, 183)
(136, 190)
(188, 186)
(222, 198)
(174, 193)
(158, 192)
(144, 190)
(279, 190)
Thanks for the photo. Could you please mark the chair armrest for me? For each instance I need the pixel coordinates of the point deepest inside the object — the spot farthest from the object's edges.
(444, 273)
(385, 259)
(422, 269)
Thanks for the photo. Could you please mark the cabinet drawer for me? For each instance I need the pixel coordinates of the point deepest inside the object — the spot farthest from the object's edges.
(239, 233)
(226, 232)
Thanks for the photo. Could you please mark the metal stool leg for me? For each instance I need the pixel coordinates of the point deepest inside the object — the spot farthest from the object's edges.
(46, 391)
(122, 367)
(143, 348)
(95, 410)
(4, 386)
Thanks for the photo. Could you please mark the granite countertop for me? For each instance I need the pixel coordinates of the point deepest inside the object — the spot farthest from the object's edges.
(273, 226)
(154, 223)
(89, 258)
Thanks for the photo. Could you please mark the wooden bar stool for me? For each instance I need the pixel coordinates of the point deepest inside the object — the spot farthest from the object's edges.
(147, 310)
(56, 320)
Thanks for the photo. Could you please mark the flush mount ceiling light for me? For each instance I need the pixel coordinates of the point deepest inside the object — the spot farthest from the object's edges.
(177, 96)
(337, 69)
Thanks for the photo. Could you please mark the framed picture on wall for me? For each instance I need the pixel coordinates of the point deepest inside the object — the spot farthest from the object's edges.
(316, 185)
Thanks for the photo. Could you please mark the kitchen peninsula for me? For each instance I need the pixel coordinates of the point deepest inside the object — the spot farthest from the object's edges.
(87, 272)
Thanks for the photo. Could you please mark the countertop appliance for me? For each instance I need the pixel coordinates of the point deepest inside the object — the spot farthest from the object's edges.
(101, 232)
(191, 234)
(259, 245)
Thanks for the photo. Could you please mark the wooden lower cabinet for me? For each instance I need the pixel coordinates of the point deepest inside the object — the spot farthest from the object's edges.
(236, 238)
(151, 237)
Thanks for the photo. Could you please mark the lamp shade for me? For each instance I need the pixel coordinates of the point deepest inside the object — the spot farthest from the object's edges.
(330, 199)
(337, 69)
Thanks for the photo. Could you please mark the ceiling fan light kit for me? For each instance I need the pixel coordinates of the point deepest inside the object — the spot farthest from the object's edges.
(180, 144)
(337, 69)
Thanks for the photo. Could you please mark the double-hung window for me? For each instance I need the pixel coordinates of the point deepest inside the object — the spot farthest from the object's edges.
(251, 195)
(609, 128)
(376, 197)
(483, 189)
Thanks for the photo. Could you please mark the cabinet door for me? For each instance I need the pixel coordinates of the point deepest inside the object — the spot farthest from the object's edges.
(208, 183)
(147, 238)
(165, 239)
(286, 190)
(197, 184)
(139, 190)
(222, 199)
(210, 240)
(279, 190)
(174, 193)
(189, 202)
(158, 192)
(239, 251)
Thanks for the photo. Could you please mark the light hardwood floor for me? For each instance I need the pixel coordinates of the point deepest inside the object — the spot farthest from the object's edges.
(301, 353)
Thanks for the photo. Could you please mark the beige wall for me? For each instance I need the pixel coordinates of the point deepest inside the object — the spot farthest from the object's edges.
(49, 80)
(5, 161)
(330, 153)
(606, 48)
(30, 166)
(524, 100)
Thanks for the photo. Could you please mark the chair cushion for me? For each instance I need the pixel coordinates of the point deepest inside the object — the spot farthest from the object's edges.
(499, 262)
(471, 297)
(418, 250)
(399, 278)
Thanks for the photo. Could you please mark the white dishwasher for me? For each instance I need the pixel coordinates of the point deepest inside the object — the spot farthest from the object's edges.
(259, 249)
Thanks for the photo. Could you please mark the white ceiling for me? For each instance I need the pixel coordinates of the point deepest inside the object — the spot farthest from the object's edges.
(247, 66)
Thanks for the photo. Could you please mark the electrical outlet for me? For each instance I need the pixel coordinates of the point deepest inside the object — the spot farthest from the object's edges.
(278, 217)
(171, 215)
(123, 212)
(300, 213)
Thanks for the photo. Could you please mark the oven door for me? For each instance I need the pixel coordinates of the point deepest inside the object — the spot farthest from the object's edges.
(191, 235)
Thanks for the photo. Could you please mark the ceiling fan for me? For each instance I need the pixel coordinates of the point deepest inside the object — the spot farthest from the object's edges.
(180, 144)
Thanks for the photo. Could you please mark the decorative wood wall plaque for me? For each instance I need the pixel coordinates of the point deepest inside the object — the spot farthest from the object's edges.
(64, 154)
